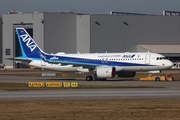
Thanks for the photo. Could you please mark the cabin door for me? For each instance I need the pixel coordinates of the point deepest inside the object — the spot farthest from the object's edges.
(147, 58)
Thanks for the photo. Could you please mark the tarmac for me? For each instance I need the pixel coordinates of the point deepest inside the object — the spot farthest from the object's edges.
(167, 89)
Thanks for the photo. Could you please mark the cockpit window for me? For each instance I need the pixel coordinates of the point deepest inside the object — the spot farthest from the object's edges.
(164, 58)
(161, 58)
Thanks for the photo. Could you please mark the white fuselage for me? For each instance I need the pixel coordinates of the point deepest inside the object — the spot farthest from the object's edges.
(121, 61)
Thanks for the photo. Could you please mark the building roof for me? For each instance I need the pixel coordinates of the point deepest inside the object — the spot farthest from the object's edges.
(162, 48)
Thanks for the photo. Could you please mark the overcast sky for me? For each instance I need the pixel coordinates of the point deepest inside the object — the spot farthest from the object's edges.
(90, 6)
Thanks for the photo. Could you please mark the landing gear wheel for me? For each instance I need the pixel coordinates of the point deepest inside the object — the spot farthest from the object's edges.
(89, 78)
(157, 79)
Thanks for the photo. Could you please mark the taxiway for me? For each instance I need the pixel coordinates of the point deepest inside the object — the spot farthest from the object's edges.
(170, 89)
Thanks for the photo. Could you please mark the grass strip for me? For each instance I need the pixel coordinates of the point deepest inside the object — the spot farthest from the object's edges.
(123, 109)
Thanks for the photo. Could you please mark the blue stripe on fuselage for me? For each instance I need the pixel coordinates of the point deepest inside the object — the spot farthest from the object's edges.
(82, 61)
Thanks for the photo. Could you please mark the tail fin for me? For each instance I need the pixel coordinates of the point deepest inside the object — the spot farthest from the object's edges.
(28, 46)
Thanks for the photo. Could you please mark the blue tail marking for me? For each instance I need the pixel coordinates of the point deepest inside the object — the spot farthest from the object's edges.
(28, 47)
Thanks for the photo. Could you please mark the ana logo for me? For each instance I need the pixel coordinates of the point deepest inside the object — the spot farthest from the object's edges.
(54, 58)
(128, 56)
(29, 43)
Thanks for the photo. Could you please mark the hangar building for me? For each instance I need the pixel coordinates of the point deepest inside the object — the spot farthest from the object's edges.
(71, 33)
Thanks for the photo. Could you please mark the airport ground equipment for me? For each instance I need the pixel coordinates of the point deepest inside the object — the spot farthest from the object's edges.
(166, 77)
(2, 65)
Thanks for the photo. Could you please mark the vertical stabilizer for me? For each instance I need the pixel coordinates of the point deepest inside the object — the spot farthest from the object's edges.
(28, 46)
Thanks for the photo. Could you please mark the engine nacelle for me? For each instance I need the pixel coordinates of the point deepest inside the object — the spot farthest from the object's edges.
(106, 72)
(126, 74)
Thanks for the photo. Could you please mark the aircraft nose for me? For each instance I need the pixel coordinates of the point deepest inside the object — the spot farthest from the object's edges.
(169, 64)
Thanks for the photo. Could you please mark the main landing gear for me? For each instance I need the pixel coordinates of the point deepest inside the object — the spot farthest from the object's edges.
(89, 78)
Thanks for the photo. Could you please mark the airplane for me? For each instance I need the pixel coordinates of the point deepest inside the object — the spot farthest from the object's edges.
(102, 65)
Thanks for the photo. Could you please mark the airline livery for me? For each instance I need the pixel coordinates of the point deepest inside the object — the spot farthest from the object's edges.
(102, 65)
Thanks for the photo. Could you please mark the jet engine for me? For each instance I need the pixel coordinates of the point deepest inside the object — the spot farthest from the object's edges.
(106, 72)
